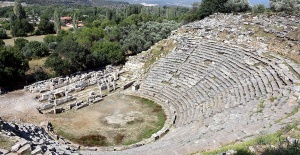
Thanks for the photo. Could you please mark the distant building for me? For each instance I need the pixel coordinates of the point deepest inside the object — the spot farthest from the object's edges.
(66, 19)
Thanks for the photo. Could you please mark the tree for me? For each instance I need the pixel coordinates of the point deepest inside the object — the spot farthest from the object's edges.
(113, 33)
(237, 5)
(35, 49)
(86, 36)
(209, 7)
(134, 43)
(21, 28)
(12, 67)
(19, 25)
(285, 5)
(72, 52)
(60, 66)
(57, 23)
(45, 26)
(108, 52)
(19, 11)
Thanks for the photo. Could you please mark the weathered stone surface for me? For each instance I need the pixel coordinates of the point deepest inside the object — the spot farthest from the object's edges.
(3, 151)
(16, 147)
(24, 150)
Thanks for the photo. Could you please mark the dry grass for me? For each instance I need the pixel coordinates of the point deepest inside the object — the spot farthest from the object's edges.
(30, 38)
(37, 62)
(6, 143)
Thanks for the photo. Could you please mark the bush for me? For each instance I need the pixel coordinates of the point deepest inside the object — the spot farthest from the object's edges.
(259, 8)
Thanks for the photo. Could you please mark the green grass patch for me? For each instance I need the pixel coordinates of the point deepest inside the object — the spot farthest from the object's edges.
(87, 140)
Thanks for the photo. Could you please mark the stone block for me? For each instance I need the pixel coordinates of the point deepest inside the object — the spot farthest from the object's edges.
(36, 151)
(16, 147)
(25, 150)
(3, 151)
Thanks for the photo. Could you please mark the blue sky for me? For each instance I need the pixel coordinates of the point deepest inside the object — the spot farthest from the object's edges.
(186, 2)
(266, 2)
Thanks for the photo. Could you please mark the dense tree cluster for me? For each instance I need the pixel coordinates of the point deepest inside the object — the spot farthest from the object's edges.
(93, 47)
(208, 7)
(285, 5)
(237, 5)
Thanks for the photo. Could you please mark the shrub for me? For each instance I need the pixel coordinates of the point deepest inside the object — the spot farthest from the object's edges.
(259, 8)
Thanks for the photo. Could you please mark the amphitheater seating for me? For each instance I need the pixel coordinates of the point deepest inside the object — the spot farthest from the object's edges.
(214, 90)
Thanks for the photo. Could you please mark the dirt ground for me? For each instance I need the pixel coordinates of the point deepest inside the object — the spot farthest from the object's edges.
(19, 106)
(116, 114)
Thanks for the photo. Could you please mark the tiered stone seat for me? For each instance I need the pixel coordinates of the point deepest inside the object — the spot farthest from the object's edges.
(213, 88)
